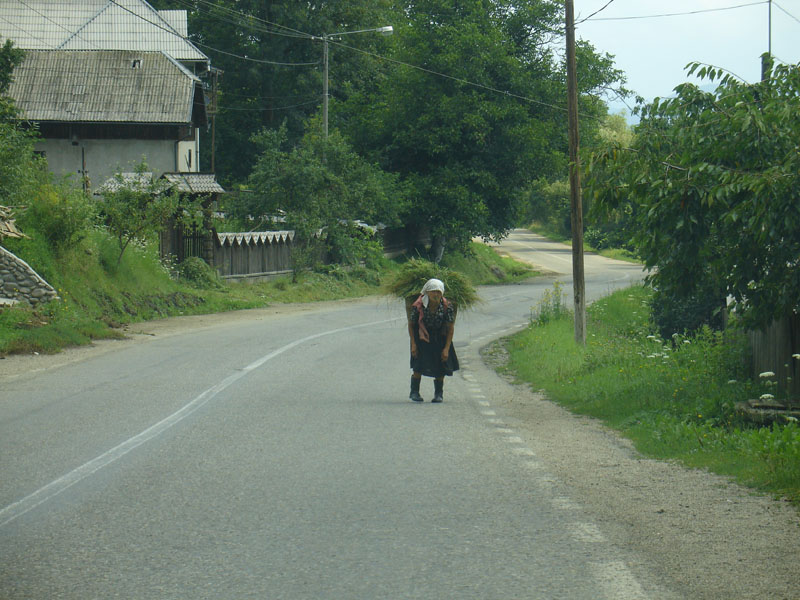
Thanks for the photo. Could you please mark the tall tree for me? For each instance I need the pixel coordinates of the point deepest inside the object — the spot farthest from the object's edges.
(712, 185)
(272, 66)
(20, 169)
(320, 184)
(480, 117)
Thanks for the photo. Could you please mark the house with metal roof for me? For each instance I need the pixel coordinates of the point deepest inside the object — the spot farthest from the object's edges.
(109, 84)
(99, 25)
(104, 111)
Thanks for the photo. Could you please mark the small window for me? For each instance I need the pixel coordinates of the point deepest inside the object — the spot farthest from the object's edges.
(136, 63)
(40, 153)
(189, 160)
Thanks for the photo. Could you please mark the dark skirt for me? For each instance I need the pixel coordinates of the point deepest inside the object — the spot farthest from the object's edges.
(429, 357)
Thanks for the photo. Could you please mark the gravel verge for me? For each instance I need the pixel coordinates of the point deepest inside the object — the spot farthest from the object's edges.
(707, 537)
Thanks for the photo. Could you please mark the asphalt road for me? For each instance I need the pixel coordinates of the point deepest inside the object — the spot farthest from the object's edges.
(279, 457)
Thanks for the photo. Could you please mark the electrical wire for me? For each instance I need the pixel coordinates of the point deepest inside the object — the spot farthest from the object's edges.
(57, 24)
(223, 108)
(452, 78)
(679, 14)
(256, 60)
(232, 54)
(607, 4)
(294, 32)
(32, 36)
(785, 11)
(224, 14)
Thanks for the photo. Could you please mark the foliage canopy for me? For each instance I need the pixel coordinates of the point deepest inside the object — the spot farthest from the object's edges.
(712, 185)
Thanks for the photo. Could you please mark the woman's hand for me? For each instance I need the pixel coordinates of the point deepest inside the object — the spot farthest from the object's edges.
(445, 354)
(413, 349)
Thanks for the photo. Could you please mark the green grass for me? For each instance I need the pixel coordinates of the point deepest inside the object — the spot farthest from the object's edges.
(674, 398)
(97, 297)
(485, 266)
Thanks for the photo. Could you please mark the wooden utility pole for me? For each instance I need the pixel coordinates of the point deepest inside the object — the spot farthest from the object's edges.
(578, 283)
(766, 59)
(212, 112)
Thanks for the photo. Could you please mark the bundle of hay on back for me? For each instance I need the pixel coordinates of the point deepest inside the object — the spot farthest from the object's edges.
(413, 275)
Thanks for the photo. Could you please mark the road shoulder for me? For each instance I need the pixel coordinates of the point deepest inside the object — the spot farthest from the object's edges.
(710, 538)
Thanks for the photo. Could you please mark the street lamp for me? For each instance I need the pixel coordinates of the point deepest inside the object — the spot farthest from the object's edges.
(388, 30)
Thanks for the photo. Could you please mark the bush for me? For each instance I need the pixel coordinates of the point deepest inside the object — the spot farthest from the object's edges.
(61, 214)
(199, 274)
(552, 306)
(688, 313)
(595, 238)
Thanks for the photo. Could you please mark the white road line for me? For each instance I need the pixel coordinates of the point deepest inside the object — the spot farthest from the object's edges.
(54, 488)
(617, 581)
(534, 465)
(564, 503)
(488, 413)
(586, 532)
(561, 258)
(523, 452)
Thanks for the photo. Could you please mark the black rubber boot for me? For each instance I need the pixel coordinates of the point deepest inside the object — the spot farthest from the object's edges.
(438, 389)
(414, 395)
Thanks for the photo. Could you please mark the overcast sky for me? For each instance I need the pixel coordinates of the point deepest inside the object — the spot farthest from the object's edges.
(653, 51)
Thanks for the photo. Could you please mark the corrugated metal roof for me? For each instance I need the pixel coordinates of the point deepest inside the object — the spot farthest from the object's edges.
(177, 20)
(134, 181)
(103, 86)
(194, 183)
(96, 25)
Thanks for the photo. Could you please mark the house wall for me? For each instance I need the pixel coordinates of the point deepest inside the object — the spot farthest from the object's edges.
(104, 157)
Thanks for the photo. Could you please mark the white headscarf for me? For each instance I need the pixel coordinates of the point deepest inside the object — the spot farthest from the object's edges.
(432, 285)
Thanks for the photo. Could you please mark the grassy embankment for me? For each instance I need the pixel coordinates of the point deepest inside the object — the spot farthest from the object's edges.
(674, 398)
(97, 297)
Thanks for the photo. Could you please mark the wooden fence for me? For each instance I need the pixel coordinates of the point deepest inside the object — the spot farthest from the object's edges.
(773, 350)
(254, 254)
(259, 254)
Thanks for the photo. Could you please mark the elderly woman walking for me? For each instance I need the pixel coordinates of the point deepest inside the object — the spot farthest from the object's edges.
(430, 326)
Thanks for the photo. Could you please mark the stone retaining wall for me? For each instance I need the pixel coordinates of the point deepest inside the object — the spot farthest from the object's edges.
(20, 283)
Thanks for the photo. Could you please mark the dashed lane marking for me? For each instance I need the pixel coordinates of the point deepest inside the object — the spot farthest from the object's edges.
(63, 483)
(587, 533)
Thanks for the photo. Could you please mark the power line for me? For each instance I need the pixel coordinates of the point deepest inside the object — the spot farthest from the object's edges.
(185, 39)
(57, 24)
(228, 93)
(256, 60)
(294, 32)
(241, 19)
(224, 108)
(452, 78)
(35, 37)
(786, 11)
(678, 14)
(607, 4)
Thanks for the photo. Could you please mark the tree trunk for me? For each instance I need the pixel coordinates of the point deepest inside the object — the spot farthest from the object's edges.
(437, 248)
